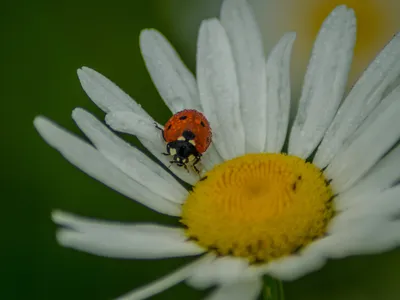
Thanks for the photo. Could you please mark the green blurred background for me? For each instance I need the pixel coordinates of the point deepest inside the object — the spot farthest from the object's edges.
(43, 43)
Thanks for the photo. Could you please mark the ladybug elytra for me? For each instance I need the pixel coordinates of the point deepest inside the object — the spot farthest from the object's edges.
(188, 135)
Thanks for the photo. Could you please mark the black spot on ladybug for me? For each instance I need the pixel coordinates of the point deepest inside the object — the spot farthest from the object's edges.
(202, 124)
(294, 186)
(183, 118)
(188, 135)
(169, 127)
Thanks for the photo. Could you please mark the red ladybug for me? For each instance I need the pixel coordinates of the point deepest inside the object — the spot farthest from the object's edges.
(188, 135)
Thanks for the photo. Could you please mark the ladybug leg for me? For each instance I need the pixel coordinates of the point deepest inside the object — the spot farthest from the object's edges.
(185, 164)
(172, 162)
(196, 161)
(196, 169)
(159, 128)
(168, 151)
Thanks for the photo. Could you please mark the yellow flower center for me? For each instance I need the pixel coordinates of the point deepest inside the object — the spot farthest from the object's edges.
(259, 206)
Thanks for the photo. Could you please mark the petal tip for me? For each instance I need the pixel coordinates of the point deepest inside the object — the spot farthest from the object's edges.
(341, 12)
(81, 74)
(38, 121)
(209, 22)
(340, 8)
(234, 4)
(78, 112)
(60, 217)
(110, 118)
(64, 237)
(147, 31)
(56, 215)
(144, 34)
(43, 125)
(83, 70)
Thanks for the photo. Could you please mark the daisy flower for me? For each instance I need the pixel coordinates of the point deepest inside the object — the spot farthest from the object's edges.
(276, 198)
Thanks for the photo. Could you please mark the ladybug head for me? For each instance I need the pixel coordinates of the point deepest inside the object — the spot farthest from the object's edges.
(183, 151)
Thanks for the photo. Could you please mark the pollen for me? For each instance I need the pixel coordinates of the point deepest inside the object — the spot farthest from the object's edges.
(259, 206)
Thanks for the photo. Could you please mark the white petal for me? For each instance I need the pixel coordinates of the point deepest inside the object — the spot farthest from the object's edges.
(325, 81)
(221, 270)
(163, 283)
(278, 93)
(115, 239)
(384, 205)
(295, 266)
(382, 176)
(105, 94)
(134, 124)
(369, 238)
(218, 87)
(200, 278)
(362, 99)
(211, 158)
(248, 54)
(386, 103)
(128, 159)
(174, 82)
(150, 136)
(373, 139)
(92, 162)
(244, 290)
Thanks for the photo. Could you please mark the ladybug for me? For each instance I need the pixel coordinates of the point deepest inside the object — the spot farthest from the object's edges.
(188, 135)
